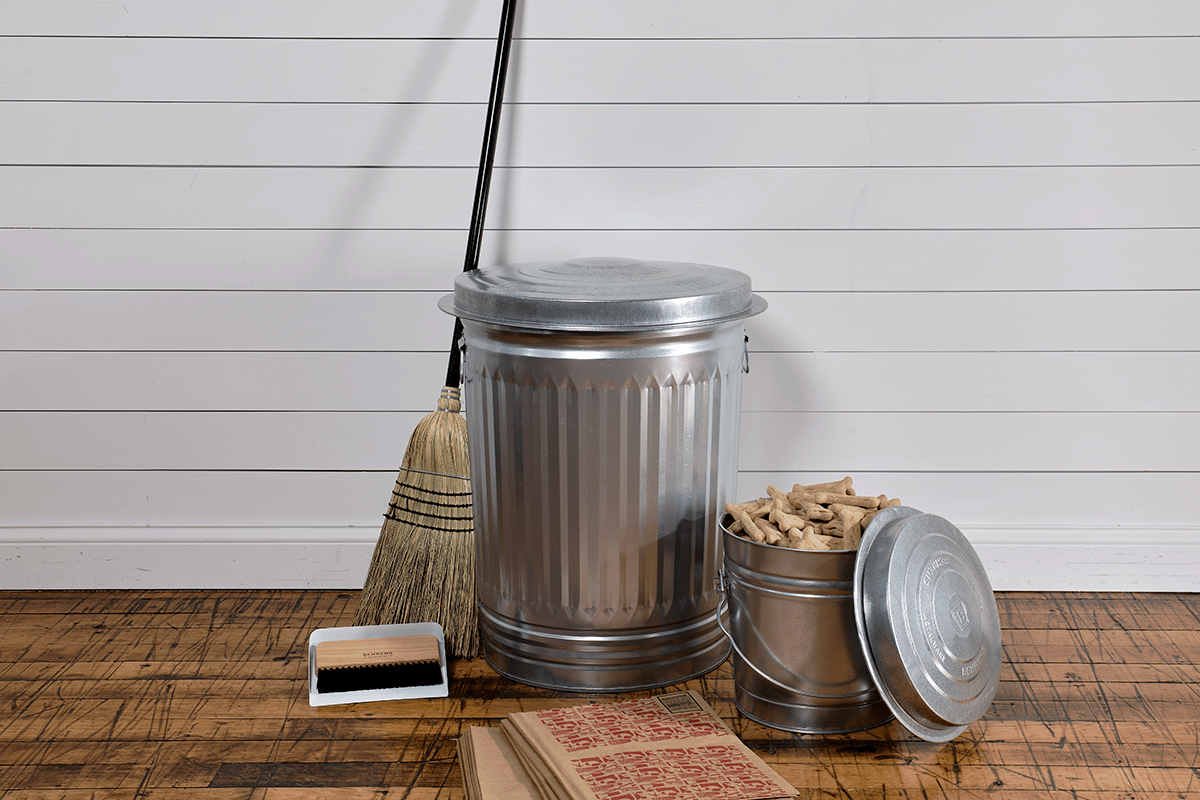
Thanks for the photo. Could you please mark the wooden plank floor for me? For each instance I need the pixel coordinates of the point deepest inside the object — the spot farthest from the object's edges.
(204, 695)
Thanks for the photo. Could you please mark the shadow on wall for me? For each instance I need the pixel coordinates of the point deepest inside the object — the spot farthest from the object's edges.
(365, 191)
(499, 203)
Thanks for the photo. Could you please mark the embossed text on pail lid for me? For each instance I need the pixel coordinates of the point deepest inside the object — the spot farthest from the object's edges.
(602, 294)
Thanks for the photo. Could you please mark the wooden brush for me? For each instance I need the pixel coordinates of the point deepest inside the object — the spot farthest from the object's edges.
(354, 665)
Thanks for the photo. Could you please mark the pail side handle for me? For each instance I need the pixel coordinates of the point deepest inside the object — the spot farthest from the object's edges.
(722, 607)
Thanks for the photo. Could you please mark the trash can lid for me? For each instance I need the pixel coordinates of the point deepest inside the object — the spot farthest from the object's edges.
(602, 294)
(928, 623)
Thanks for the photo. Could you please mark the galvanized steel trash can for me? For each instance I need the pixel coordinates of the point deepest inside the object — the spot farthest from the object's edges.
(603, 399)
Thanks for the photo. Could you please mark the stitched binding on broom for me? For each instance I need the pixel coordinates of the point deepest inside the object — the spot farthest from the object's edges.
(449, 508)
(439, 474)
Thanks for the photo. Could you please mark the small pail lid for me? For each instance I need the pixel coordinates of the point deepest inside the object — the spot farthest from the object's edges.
(928, 623)
(602, 294)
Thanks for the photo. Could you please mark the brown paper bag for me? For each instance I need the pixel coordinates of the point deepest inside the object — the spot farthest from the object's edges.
(668, 746)
(491, 768)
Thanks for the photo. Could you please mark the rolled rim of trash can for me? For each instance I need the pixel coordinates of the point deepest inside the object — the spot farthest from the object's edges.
(635, 295)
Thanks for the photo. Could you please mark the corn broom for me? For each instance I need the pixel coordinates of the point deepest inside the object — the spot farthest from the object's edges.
(423, 567)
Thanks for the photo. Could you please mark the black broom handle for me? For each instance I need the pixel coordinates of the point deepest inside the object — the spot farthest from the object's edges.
(483, 180)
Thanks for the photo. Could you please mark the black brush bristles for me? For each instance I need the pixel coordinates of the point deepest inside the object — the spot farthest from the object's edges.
(335, 680)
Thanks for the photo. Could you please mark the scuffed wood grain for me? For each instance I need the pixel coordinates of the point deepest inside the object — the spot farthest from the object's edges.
(174, 694)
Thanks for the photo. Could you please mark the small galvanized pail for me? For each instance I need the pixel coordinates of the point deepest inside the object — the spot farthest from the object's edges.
(603, 402)
(837, 641)
(797, 662)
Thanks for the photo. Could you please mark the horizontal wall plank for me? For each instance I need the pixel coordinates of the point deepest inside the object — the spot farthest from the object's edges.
(973, 382)
(813, 260)
(259, 564)
(619, 18)
(264, 19)
(591, 199)
(779, 382)
(875, 135)
(795, 321)
(1081, 441)
(635, 71)
(975, 322)
(205, 498)
(247, 381)
(1064, 559)
(275, 321)
(204, 441)
(88, 502)
(774, 442)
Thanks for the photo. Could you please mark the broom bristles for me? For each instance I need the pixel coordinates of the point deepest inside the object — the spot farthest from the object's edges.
(423, 567)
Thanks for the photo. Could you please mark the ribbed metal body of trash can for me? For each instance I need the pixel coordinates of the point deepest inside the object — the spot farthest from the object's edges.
(603, 399)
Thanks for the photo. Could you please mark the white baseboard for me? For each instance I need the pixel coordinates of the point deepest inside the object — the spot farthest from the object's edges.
(186, 558)
(1017, 558)
(1089, 559)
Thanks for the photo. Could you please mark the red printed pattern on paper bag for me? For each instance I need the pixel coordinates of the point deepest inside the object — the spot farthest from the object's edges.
(604, 725)
(715, 772)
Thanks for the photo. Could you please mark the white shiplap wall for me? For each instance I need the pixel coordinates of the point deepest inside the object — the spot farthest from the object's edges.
(224, 227)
